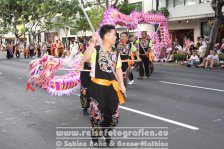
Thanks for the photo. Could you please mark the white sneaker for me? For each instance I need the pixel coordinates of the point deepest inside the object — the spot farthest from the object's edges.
(131, 82)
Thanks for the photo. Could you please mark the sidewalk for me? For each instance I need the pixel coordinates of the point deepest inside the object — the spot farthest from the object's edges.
(181, 64)
(170, 64)
(2, 55)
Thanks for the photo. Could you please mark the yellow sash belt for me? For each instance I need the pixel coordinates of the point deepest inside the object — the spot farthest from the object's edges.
(115, 85)
(129, 61)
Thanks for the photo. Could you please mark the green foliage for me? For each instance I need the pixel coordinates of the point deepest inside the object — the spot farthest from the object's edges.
(37, 16)
(41, 14)
(162, 10)
(221, 57)
(153, 11)
(95, 14)
(165, 11)
(180, 57)
(32, 13)
(127, 8)
(11, 15)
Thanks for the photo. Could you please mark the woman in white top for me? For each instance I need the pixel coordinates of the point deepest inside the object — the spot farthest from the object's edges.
(214, 60)
(194, 60)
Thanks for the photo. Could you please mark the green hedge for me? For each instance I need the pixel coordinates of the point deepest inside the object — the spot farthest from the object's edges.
(221, 57)
(180, 57)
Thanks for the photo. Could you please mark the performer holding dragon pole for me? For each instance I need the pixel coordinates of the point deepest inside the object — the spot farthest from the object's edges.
(126, 48)
(144, 48)
(105, 92)
(85, 82)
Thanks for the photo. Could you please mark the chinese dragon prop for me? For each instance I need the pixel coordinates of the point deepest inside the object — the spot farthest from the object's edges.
(42, 71)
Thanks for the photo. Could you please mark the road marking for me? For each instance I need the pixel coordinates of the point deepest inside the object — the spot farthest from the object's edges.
(77, 94)
(160, 118)
(217, 120)
(49, 102)
(178, 84)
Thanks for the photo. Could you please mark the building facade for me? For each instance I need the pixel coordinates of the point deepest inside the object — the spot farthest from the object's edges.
(188, 18)
(191, 18)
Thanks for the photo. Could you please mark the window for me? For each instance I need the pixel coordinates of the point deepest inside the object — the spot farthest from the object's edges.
(178, 3)
(184, 2)
(204, 1)
(205, 29)
(163, 3)
(190, 2)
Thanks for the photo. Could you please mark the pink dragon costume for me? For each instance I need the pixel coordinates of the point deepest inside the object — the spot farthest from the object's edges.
(42, 71)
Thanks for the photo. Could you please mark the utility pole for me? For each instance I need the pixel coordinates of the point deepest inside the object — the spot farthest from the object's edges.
(157, 9)
(157, 5)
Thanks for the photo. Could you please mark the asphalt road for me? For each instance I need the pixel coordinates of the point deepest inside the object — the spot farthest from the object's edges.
(188, 102)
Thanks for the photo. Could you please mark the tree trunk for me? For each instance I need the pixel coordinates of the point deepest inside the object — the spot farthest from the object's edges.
(157, 5)
(219, 20)
(29, 37)
(34, 38)
(66, 30)
(24, 44)
(66, 39)
(17, 38)
(214, 32)
(100, 4)
(107, 4)
(115, 3)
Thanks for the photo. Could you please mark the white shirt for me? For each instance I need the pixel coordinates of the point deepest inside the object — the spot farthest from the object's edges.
(74, 49)
(196, 58)
(179, 47)
(204, 44)
(215, 57)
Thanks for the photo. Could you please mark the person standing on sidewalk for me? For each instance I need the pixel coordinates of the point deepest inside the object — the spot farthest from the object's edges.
(17, 50)
(31, 49)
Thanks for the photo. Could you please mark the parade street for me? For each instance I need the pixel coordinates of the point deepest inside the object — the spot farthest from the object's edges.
(188, 101)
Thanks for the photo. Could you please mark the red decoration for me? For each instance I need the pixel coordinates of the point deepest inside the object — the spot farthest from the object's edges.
(28, 87)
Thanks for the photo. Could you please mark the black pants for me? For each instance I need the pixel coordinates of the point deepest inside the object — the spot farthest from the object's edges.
(125, 73)
(124, 67)
(84, 89)
(131, 76)
(104, 107)
(31, 53)
(49, 51)
(38, 52)
(144, 66)
(17, 54)
(9, 54)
